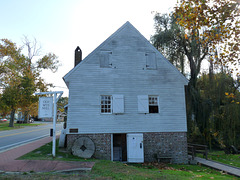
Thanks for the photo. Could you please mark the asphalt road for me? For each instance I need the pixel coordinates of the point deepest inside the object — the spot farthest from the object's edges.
(14, 138)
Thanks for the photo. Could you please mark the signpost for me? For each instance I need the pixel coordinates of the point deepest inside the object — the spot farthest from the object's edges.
(45, 110)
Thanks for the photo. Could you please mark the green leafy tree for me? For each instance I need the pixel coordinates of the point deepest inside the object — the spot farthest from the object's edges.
(61, 103)
(10, 98)
(220, 114)
(22, 74)
(166, 40)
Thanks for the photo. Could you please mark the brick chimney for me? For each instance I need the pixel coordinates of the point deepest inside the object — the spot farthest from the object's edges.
(78, 56)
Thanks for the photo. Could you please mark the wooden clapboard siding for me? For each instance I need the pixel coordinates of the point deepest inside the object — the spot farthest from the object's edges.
(127, 76)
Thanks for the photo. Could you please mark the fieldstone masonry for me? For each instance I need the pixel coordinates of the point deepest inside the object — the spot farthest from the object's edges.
(102, 144)
(163, 143)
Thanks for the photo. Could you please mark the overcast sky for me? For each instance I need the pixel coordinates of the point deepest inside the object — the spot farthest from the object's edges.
(62, 25)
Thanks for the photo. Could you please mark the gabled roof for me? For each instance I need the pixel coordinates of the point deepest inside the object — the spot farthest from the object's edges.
(126, 25)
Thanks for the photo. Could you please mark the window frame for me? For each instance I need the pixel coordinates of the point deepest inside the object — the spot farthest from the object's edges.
(103, 104)
(154, 101)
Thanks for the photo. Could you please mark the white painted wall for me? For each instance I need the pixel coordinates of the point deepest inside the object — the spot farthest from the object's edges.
(129, 77)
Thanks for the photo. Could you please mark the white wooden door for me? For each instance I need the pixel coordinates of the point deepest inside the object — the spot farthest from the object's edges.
(135, 153)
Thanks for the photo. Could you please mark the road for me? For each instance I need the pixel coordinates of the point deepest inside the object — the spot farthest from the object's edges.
(13, 138)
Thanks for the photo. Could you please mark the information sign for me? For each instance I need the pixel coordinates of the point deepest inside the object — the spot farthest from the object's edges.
(45, 107)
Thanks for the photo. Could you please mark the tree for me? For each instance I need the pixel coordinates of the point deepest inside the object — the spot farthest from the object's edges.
(219, 114)
(203, 30)
(10, 76)
(167, 41)
(211, 28)
(20, 74)
(61, 103)
(200, 29)
(10, 98)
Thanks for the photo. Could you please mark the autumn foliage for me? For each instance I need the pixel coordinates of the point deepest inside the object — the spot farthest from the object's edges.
(200, 31)
(20, 77)
(214, 24)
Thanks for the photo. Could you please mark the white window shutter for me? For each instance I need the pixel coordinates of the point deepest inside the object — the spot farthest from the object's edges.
(105, 57)
(151, 60)
(143, 104)
(118, 104)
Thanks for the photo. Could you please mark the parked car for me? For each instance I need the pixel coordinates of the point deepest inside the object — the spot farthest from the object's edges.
(31, 120)
(3, 120)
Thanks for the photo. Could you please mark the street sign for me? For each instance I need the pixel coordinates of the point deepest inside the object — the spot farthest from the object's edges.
(45, 107)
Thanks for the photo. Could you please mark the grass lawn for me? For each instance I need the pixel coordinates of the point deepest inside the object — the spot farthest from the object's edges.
(4, 126)
(104, 169)
(220, 156)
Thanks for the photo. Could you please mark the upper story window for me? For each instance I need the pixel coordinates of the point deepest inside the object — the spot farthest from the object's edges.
(151, 60)
(106, 104)
(148, 104)
(105, 59)
(153, 104)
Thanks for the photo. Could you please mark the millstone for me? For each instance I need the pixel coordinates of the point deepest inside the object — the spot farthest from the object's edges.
(83, 147)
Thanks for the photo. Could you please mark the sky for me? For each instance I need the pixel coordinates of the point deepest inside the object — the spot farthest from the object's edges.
(60, 26)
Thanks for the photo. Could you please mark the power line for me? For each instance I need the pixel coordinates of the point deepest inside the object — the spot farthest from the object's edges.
(60, 87)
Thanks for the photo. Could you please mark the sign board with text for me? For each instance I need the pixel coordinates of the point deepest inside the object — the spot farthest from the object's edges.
(45, 107)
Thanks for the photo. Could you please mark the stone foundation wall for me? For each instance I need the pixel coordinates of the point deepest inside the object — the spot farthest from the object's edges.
(102, 144)
(166, 144)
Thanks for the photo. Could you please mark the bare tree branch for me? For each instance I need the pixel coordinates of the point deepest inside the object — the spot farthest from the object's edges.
(33, 47)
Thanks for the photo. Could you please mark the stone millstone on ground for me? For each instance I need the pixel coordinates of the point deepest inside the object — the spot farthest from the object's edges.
(83, 147)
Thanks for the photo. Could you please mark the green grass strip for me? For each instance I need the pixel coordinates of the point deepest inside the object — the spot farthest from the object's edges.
(4, 126)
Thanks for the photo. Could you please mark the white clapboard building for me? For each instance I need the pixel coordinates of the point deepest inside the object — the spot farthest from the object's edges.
(129, 100)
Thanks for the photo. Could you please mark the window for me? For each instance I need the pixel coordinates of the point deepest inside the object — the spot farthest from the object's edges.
(105, 59)
(148, 104)
(153, 104)
(112, 104)
(151, 60)
(106, 104)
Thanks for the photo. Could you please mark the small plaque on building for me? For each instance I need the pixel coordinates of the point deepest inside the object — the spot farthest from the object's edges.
(45, 107)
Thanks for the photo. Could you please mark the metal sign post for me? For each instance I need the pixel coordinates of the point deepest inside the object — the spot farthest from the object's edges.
(55, 100)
